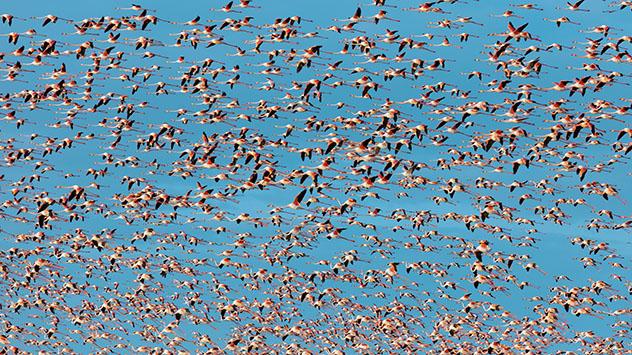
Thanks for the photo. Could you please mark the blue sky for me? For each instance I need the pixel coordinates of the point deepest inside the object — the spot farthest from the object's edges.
(552, 252)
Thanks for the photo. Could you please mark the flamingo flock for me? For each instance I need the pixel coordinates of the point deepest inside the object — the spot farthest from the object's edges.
(447, 177)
